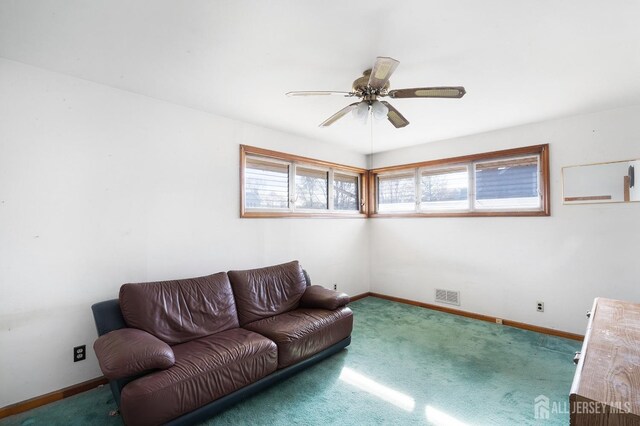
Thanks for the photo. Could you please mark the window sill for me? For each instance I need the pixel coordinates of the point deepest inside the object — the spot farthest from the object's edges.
(463, 214)
(319, 215)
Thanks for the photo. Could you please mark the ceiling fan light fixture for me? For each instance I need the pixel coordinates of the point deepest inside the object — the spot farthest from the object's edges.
(379, 110)
(361, 112)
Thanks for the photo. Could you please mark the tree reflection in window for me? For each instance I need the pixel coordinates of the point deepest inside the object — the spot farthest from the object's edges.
(311, 188)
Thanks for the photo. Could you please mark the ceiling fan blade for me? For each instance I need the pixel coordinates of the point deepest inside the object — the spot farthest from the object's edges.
(382, 70)
(319, 93)
(338, 115)
(395, 117)
(428, 92)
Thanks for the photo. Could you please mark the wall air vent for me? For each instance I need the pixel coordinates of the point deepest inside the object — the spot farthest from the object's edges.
(448, 296)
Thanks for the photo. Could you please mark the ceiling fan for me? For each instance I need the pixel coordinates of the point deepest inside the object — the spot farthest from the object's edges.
(374, 84)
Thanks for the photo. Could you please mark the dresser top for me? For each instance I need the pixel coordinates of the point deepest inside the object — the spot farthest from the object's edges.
(609, 366)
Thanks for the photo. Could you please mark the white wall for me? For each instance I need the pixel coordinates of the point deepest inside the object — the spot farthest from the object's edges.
(100, 186)
(502, 266)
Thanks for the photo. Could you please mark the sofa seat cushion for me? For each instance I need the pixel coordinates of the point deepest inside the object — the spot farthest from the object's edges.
(205, 369)
(303, 332)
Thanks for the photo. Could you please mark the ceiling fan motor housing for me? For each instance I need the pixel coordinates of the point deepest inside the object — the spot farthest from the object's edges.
(361, 85)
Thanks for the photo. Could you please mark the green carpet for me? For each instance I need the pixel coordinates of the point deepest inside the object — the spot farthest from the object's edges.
(405, 365)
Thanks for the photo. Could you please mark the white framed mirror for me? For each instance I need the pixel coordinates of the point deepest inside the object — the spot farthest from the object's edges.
(613, 182)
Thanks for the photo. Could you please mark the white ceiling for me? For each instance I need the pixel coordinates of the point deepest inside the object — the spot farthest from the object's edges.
(520, 61)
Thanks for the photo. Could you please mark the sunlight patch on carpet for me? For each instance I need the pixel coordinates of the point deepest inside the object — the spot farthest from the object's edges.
(376, 389)
(440, 418)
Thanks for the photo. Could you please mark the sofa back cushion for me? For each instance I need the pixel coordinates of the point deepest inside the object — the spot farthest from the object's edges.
(265, 292)
(180, 310)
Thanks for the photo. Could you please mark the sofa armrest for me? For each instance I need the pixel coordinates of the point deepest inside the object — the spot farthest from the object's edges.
(129, 351)
(316, 296)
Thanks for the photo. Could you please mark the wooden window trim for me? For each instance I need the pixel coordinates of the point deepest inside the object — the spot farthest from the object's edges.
(545, 184)
(368, 186)
(246, 150)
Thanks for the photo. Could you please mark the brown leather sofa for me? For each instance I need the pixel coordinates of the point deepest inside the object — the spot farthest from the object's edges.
(177, 352)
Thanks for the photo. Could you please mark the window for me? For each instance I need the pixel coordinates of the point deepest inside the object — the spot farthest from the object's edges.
(266, 184)
(275, 184)
(510, 183)
(345, 192)
(503, 183)
(312, 191)
(397, 192)
(444, 189)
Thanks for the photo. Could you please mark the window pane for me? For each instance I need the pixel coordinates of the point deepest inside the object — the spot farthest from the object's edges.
(311, 188)
(397, 192)
(444, 189)
(266, 184)
(345, 192)
(508, 184)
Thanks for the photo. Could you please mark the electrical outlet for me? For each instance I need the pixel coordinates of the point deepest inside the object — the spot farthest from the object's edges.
(540, 306)
(79, 353)
(335, 286)
(498, 320)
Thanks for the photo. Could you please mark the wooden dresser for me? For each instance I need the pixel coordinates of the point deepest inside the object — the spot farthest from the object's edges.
(606, 386)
